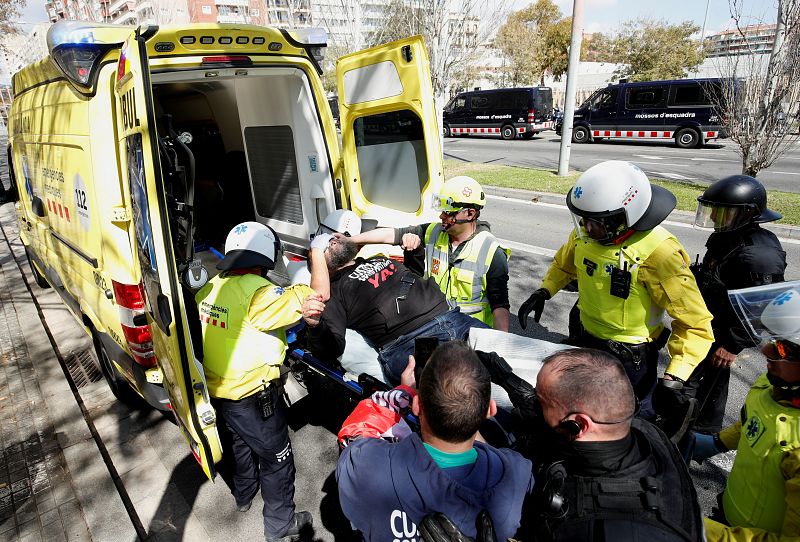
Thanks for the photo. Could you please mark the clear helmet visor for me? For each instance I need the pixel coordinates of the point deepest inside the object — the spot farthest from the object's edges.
(600, 230)
(770, 313)
(445, 205)
(721, 218)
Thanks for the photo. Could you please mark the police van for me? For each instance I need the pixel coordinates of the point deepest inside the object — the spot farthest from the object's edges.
(136, 151)
(507, 112)
(682, 110)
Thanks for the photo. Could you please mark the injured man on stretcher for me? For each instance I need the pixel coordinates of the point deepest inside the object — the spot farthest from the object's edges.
(378, 307)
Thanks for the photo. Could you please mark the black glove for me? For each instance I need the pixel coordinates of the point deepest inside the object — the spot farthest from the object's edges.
(437, 527)
(675, 410)
(534, 303)
(521, 392)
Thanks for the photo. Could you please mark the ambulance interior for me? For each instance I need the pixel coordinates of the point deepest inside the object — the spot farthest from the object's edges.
(251, 135)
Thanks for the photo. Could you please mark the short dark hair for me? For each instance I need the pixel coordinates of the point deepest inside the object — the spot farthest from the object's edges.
(593, 382)
(454, 391)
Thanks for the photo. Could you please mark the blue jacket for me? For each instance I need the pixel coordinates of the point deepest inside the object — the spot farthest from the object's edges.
(386, 489)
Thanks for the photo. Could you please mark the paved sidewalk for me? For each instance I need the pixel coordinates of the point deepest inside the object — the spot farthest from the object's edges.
(37, 498)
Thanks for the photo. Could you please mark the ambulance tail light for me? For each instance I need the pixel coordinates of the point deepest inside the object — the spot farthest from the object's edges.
(130, 300)
(234, 61)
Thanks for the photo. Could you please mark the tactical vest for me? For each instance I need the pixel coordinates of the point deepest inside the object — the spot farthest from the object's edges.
(238, 358)
(756, 492)
(633, 320)
(654, 499)
(464, 280)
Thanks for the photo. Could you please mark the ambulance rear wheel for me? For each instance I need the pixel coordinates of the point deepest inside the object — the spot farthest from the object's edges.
(687, 138)
(580, 134)
(119, 385)
(508, 132)
(41, 282)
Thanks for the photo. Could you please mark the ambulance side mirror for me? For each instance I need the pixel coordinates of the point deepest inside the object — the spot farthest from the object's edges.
(37, 206)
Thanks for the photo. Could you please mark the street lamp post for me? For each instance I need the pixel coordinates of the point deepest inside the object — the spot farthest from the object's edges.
(572, 75)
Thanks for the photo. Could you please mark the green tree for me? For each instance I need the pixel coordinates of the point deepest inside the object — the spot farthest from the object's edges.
(654, 49)
(534, 41)
(597, 47)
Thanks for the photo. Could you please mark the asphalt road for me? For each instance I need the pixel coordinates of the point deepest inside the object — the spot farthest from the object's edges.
(659, 159)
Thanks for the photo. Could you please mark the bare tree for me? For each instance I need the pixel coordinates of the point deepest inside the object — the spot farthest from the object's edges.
(760, 93)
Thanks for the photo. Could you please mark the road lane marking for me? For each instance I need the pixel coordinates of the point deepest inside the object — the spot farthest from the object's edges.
(782, 172)
(712, 160)
(677, 176)
(649, 156)
(522, 247)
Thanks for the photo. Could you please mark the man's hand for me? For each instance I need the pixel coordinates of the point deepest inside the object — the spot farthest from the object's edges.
(312, 308)
(722, 358)
(321, 241)
(499, 369)
(407, 377)
(410, 241)
(534, 303)
(437, 527)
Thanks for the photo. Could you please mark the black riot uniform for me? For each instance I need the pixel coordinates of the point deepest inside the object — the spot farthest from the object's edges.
(642, 491)
(739, 254)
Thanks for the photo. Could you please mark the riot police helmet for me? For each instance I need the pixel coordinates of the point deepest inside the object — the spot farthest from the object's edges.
(733, 202)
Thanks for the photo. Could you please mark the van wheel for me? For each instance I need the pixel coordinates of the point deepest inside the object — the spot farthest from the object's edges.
(446, 131)
(580, 134)
(687, 138)
(119, 385)
(41, 282)
(508, 132)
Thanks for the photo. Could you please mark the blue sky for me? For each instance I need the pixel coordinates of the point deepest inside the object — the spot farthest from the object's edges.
(605, 15)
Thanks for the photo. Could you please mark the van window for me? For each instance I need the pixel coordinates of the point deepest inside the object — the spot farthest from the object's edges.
(273, 170)
(522, 100)
(692, 94)
(459, 103)
(543, 99)
(145, 248)
(606, 99)
(479, 102)
(645, 97)
(392, 160)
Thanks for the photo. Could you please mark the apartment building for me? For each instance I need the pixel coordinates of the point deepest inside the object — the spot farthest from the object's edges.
(754, 39)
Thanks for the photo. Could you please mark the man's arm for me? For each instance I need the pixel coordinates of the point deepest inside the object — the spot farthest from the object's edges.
(672, 287)
(378, 235)
(562, 271)
(320, 280)
(497, 290)
(326, 339)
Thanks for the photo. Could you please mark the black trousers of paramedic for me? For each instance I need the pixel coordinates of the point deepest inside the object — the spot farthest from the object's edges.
(263, 456)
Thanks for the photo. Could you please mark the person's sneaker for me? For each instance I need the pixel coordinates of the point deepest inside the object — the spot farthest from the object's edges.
(299, 521)
(244, 507)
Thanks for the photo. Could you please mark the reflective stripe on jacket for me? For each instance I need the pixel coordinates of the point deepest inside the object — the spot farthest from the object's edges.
(756, 492)
(464, 281)
(238, 358)
(633, 320)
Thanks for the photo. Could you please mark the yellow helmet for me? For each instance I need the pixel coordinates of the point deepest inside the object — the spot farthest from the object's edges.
(458, 193)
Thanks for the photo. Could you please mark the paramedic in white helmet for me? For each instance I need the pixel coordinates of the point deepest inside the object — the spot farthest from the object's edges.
(467, 261)
(761, 501)
(243, 318)
(629, 271)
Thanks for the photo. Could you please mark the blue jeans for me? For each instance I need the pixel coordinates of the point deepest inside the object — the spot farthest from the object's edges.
(450, 326)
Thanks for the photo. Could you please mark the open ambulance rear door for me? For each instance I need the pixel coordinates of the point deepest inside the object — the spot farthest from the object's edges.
(390, 135)
(165, 307)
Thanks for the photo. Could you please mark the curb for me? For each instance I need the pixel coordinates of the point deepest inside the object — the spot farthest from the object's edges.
(783, 231)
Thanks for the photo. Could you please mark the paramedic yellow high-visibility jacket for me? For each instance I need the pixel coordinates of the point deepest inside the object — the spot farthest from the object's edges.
(243, 319)
(464, 280)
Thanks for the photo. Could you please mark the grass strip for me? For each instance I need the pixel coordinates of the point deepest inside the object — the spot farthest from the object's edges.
(546, 180)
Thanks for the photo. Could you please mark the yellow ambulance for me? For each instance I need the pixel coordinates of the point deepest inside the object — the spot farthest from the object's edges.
(136, 151)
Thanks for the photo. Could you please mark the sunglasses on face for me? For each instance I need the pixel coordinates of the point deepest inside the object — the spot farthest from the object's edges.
(780, 349)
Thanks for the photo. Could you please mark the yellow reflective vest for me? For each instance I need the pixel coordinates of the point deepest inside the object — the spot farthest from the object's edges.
(464, 280)
(756, 492)
(238, 358)
(634, 320)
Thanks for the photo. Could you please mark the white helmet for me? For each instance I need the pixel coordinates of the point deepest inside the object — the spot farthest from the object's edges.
(250, 244)
(771, 311)
(619, 196)
(341, 221)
